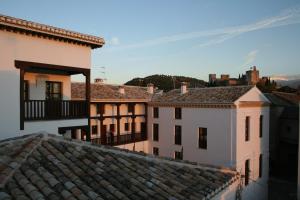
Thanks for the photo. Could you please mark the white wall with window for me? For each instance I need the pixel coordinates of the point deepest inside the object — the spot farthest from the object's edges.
(235, 137)
(214, 121)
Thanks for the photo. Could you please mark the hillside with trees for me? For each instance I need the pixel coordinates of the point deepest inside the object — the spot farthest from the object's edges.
(166, 82)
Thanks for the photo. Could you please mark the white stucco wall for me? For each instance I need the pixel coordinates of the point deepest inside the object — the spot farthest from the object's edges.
(51, 126)
(219, 128)
(14, 46)
(254, 147)
(226, 145)
(37, 85)
(139, 146)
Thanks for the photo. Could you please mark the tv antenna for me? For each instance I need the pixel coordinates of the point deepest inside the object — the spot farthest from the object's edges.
(101, 71)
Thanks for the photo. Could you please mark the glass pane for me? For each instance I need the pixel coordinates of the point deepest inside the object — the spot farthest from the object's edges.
(56, 87)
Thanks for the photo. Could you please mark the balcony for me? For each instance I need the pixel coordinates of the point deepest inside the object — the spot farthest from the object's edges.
(122, 139)
(54, 109)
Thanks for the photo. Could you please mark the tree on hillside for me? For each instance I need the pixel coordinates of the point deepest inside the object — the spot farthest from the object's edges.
(166, 82)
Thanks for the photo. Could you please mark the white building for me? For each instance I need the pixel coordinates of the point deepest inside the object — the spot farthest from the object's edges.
(36, 64)
(224, 126)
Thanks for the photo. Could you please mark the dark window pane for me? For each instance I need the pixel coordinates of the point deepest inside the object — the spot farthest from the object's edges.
(202, 138)
(126, 126)
(130, 108)
(260, 165)
(100, 109)
(247, 128)
(112, 127)
(155, 151)
(177, 113)
(178, 135)
(261, 120)
(155, 112)
(247, 171)
(178, 155)
(155, 132)
(53, 90)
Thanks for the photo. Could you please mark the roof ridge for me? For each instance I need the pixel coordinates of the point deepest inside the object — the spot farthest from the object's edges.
(10, 169)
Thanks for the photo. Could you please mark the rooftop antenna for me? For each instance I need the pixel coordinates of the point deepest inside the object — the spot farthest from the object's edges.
(102, 72)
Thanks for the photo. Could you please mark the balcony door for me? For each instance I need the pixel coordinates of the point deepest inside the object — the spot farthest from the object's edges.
(143, 130)
(103, 134)
(53, 90)
(53, 104)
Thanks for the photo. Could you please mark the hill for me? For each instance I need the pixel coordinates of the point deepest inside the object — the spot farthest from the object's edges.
(166, 82)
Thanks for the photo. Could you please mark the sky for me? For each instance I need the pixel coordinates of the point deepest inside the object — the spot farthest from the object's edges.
(178, 37)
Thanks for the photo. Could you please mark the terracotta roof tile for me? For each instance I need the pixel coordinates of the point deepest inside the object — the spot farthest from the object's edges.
(7, 22)
(103, 92)
(60, 169)
(293, 98)
(209, 95)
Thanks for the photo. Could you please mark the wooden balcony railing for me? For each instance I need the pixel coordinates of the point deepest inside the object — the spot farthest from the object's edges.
(54, 109)
(123, 139)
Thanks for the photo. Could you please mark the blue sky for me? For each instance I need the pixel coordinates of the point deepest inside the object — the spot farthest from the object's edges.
(177, 37)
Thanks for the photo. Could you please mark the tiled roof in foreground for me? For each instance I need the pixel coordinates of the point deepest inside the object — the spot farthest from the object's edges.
(208, 95)
(48, 167)
(106, 92)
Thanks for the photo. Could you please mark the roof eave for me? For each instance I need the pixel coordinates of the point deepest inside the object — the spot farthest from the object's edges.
(27, 27)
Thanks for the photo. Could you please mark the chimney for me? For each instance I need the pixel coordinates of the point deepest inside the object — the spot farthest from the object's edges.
(121, 89)
(98, 80)
(183, 88)
(150, 88)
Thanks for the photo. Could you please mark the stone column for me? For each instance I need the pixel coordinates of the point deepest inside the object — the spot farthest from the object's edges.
(78, 134)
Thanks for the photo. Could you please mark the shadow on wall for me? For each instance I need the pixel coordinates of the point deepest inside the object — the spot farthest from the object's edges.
(9, 104)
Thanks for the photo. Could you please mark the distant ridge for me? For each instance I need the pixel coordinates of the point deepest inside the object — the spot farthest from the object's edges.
(166, 82)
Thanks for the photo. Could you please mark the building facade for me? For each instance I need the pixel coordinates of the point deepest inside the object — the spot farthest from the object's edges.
(118, 114)
(36, 63)
(224, 126)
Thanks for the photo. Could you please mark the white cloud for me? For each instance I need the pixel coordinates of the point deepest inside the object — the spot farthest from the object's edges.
(250, 58)
(114, 41)
(287, 17)
(285, 77)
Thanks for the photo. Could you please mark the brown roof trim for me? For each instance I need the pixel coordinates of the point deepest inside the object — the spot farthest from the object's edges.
(38, 67)
(192, 105)
(253, 104)
(27, 27)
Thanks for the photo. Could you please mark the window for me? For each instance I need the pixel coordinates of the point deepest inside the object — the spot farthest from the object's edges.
(94, 130)
(100, 109)
(126, 126)
(261, 120)
(155, 112)
(202, 138)
(26, 90)
(112, 127)
(247, 128)
(53, 90)
(155, 132)
(155, 151)
(178, 135)
(130, 108)
(177, 113)
(260, 165)
(247, 171)
(178, 155)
